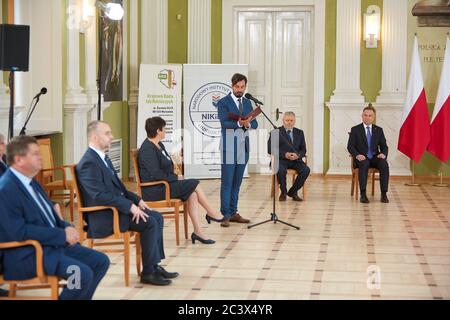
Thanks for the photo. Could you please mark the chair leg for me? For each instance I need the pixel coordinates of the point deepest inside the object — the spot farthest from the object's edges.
(272, 193)
(126, 248)
(12, 290)
(352, 192)
(356, 185)
(54, 295)
(138, 253)
(72, 198)
(276, 188)
(185, 217)
(177, 224)
(91, 243)
(373, 183)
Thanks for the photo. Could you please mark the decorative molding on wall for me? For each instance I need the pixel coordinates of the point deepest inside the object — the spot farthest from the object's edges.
(394, 39)
(154, 28)
(199, 31)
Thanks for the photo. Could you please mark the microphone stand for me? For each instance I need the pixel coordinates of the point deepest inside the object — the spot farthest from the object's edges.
(23, 131)
(273, 215)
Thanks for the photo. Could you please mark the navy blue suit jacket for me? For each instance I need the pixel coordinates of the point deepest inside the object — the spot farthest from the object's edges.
(298, 146)
(225, 106)
(357, 141)
(99, 187)
(21, 219)
(3, 166)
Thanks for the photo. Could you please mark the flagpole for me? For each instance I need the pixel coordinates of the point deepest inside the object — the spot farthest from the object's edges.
(413, 183)
(442, 184)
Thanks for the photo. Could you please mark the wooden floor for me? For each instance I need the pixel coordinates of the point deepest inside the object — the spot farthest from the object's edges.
(344, 250)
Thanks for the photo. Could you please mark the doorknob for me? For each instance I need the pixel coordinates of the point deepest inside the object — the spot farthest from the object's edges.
(278, 112)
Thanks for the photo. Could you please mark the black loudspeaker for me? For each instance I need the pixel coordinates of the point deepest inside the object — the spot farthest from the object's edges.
(14, 47)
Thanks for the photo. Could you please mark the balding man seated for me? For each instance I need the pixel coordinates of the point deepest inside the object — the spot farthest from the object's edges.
(100, 186)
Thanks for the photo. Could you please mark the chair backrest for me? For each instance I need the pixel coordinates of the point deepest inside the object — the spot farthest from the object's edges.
(76, 189)
(134, 158)
(45, 147)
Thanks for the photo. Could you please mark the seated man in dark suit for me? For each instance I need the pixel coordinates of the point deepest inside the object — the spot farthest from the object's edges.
(368, 147)
(26, 213)
(291, 155)
(3, 168)
(100, 186)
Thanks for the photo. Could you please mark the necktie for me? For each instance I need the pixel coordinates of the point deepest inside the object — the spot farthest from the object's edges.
(110, 165)
(369, 143)
(241, 107)
(48, 215)
(113, 172)
(289, 132)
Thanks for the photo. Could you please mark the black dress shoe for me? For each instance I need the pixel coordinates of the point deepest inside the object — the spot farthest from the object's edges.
(156, 279)
(294, 197)
(195, 237)
(364, 199)
(282, 197)
(384, 198)
(209, 219)
(165, 274)
(4, 293)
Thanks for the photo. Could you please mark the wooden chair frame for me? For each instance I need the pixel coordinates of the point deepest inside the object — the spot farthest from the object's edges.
(168, 203)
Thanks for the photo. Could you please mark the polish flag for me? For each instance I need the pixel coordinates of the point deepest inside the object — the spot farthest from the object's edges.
(415, 128)
(440, 123)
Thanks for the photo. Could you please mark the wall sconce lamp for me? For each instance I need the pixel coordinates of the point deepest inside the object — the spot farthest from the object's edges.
(372, 26)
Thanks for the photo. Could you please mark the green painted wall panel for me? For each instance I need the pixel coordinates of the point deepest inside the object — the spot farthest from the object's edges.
(330, 73)
(178, 31)
(216, 31)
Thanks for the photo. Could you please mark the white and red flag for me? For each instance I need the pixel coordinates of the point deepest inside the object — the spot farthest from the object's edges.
(415, 128)
(440, 124)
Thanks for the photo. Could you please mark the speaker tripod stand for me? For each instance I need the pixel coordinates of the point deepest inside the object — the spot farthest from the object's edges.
(273, 215)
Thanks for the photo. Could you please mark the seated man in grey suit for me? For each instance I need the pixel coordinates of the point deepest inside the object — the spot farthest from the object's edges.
(100, 186)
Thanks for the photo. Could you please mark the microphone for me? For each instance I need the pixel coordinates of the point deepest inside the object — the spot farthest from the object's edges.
(250, 97)
(43, 91)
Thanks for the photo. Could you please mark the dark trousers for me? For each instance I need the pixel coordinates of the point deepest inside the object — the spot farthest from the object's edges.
(84, 268)
(302, 170)
(380, 164)
(152, 244)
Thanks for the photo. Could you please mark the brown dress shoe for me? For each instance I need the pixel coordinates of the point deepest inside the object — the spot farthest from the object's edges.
(225, 223)
(238, 218)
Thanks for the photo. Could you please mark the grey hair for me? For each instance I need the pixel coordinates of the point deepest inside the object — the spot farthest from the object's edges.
(289, 114)
(2, 137)
(93, 127)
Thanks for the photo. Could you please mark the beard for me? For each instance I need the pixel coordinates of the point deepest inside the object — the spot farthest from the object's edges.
(238, 94)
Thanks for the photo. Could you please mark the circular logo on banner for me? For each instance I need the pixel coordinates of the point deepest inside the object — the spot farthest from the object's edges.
(203, 108)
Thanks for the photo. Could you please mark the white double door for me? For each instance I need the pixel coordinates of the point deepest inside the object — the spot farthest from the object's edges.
(277, 46)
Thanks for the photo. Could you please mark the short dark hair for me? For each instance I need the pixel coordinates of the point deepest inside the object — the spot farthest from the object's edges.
(152, 125)
(370, 108)
(18, 147)
(238, 78)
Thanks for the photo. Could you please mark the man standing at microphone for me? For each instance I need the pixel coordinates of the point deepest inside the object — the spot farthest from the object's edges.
(235, 147)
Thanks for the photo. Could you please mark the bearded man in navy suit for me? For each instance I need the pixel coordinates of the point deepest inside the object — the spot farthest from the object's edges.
(235, 147)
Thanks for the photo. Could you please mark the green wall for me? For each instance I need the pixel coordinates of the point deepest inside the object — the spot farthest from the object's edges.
(216, 31)
(330, 74)
(178, 31)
